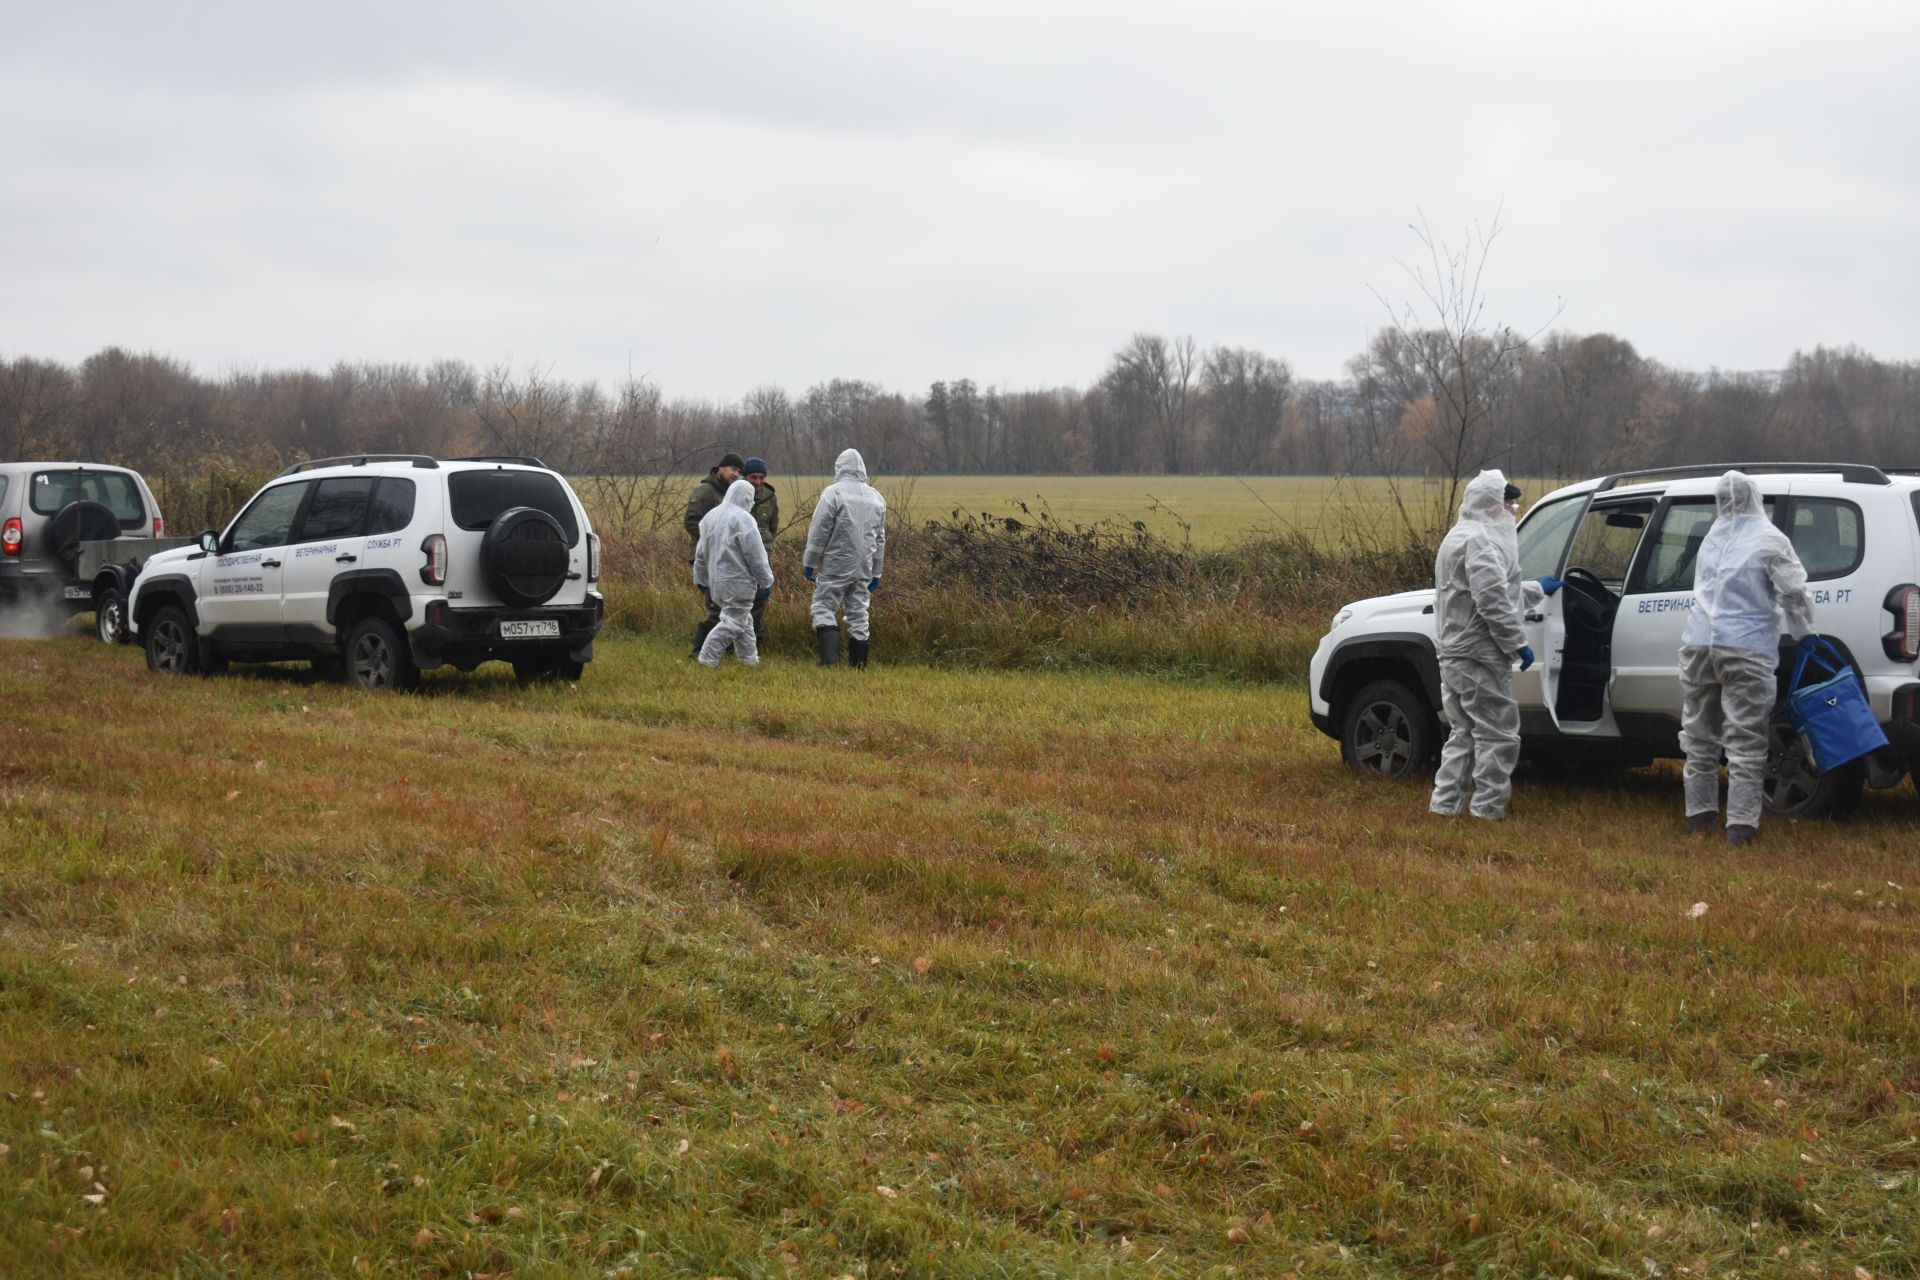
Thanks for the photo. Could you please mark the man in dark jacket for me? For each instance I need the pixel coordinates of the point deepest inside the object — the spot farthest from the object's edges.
(766, 514)
(706, 496)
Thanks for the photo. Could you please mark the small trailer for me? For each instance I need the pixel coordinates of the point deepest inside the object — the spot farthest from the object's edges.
(104, 579)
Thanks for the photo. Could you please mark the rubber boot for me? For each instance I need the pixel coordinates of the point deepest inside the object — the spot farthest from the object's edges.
(829, 638)
(1702, 824)
(857, 652)
(700, 632)
(1742, 834)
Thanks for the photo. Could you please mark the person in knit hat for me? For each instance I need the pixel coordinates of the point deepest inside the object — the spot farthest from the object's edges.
(706, 496)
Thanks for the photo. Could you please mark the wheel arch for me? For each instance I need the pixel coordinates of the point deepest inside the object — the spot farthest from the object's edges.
(1408, 657)
(174, 589)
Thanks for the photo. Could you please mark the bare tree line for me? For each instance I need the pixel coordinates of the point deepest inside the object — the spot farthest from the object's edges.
(1555, 405)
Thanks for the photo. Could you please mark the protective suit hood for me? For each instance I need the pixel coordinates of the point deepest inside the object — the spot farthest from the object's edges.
(739, 494)
(1735, 494)
(1484, 498)
(850, 466)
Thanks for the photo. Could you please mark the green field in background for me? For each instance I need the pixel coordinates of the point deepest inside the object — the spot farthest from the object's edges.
(1220, 510)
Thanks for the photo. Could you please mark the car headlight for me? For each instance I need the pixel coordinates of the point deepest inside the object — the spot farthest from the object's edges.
(1340, 618)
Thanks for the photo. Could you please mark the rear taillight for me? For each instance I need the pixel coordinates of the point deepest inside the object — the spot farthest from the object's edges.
(1903, 642)
(11, 539)
(434, 571)
(593, 557)
(159, 526)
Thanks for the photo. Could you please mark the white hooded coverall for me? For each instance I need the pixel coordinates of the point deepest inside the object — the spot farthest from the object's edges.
(846, 545)
(1478, 605)
(1747, 581)
(730, 565)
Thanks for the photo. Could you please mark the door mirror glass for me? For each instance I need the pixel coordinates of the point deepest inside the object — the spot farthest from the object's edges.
(209, 540)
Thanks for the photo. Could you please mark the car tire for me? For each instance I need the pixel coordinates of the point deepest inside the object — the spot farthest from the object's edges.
(172, 647)
(524, 557)
(75, 523)
(546, 669)
(377, 658)
(1387, 731)
(110, 616)
(1793, 789)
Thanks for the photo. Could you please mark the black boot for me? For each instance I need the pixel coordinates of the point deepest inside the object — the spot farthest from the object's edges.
(857, 652)
(829, 638)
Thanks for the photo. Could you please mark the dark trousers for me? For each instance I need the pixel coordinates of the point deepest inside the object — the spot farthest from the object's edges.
(711, 621)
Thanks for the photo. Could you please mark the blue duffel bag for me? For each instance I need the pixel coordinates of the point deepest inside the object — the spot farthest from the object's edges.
(1833, 713)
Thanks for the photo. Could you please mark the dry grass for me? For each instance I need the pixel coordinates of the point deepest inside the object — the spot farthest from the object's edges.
(917, 972)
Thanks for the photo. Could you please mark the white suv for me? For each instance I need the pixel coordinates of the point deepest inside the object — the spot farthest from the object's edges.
(1607, 683)
(385, 564)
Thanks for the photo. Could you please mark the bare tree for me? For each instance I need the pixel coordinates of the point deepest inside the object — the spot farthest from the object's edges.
(1461, 360)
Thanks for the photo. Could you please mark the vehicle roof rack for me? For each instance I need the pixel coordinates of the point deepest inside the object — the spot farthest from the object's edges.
(420, 460)
(501, 457)
(1850, 472)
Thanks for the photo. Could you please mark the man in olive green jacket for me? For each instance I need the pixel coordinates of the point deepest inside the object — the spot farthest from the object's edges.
(766, 514)
(706, 496)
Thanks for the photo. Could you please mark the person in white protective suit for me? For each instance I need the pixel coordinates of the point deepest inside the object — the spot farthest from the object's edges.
(846, 551)
(1747, 583)
(730, 565)
(1478, 604)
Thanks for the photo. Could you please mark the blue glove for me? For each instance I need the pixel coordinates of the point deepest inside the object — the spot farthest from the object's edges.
(1809, 643)
(762, 595)
(1550, 585)
(1526, 656)
(873, 586)
(809, 572)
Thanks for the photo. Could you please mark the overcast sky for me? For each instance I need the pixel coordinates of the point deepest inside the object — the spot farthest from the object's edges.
(722, 195)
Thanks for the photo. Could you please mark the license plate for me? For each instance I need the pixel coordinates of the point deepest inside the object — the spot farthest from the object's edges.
(532, 630)
(79, 593)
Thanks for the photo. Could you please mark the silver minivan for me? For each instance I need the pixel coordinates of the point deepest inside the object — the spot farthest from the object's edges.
(47, 511)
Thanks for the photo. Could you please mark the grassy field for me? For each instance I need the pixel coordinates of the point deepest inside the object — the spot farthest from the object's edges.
(1218, 510)
(910, 972)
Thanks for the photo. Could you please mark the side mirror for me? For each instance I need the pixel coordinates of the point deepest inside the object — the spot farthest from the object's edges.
(209, 541)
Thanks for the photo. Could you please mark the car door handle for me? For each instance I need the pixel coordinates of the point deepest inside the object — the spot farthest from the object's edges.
(1536, 617)
(269, 564)
(346, 559)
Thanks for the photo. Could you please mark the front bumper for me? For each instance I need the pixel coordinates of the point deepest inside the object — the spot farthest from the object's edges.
(468, 637)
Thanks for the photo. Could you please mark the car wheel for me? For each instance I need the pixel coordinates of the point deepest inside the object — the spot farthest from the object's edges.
(110, 617)
(78, 522)
(547, 670)
(172, 648)
(1795, 789)
(1387, 731)
(377, 658)
(524, 557)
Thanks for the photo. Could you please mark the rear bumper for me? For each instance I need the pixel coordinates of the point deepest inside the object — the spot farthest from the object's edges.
(20, 585)
(1903, 723)
(468, 637)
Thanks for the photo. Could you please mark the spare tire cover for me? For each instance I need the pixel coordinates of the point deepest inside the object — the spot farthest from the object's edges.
(523, 556)
(79, 522)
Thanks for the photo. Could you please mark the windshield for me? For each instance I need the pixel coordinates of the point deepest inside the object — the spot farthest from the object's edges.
(1544, 534)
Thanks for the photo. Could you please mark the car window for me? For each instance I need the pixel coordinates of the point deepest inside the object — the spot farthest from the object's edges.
(1826, 534)
(268, 522)
(1606, 539)
(392, 508)
(1676, 545)
(3, 492)
(1543, 536)
(338, 509)
(114, 490)
(478, 498)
